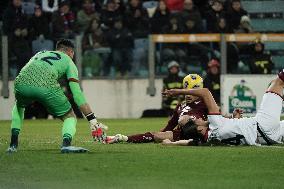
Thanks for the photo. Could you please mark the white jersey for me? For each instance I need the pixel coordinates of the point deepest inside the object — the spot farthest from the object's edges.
(225, 128)
(267, 120)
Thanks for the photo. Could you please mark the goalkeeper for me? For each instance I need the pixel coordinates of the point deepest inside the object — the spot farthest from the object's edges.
(38, 81)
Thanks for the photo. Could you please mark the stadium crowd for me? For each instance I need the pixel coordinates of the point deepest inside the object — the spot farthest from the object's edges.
(114, 32)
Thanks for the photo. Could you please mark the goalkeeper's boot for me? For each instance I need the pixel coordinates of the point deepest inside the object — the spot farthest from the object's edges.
(12, 149)
(116, 139)
(14, 141)
(73, 149)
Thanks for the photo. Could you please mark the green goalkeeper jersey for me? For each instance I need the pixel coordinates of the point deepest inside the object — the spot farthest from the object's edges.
(45, 69)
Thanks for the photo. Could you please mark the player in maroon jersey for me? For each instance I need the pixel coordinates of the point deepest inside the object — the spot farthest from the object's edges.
(192, 108)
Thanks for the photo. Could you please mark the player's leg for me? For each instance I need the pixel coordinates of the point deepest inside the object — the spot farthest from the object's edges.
(58, 105)
(23, 98)
(268, 115)
(68, 128)
(16, 125)
(68, 133)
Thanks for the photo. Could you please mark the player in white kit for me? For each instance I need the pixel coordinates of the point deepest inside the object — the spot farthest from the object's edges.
(264, 128)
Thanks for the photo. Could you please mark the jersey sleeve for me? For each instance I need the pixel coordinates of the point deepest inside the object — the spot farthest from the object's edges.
(73, 78)
(78, 95)
(72, 72)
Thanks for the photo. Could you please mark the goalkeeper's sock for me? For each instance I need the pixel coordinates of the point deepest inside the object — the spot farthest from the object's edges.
(66, 140)
(16, 125)
(14, 137)
(141, 138)
(68, 130)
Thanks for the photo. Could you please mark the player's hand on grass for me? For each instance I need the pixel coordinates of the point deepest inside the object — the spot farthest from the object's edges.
(98, 131)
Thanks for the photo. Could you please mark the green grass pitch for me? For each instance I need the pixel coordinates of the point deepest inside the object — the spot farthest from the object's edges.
(39, 164)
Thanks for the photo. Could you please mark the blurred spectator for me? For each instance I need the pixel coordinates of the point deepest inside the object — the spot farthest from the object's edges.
(173, 27)
(160, 18)
(109, 14)
(120, 7)
(49, 7)
(121, 43)
(15, 26)
(136, 19)
(174, 5)
(94, 36)
(172, 81)
(75, 5)
(190, 27)
(260, 62)
(232, 58)
(63, 21)
(234, 14)
(213, 15)
(3, 6)
(85, 15)
(222, 26)
(95, 40)
(173, 51)
(38, 24)
(212, 79)
(190, 11)
(203, 6)
(245, 26)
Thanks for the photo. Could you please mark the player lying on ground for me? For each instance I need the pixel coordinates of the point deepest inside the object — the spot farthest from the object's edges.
(265, 124)
(38, 81)
(193, 106)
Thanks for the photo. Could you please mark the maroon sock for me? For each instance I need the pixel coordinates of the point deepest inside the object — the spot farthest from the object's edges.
(281, 75)
(141, 138)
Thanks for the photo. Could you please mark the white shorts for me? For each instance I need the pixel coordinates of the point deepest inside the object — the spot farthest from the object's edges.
(268, 115)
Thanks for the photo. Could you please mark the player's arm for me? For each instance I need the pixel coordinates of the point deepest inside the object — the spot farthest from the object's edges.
(203, 93)
(177, 143)
(237, 113)
(172, 123)
(80, 100)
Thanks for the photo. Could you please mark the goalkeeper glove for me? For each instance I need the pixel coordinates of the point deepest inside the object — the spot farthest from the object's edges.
(97, 129)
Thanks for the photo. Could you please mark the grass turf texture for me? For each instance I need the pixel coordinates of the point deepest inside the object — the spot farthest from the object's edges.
(39, 163)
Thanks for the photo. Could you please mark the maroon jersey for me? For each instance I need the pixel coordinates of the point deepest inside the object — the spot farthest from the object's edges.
(196, 109)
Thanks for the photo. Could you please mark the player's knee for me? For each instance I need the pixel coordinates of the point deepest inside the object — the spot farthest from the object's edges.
(68, 115)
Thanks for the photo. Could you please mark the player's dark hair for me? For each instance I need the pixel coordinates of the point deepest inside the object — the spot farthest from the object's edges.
(64, 43)
(189, 131)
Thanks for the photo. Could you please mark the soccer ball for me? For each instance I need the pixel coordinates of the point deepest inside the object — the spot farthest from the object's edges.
(192, 81)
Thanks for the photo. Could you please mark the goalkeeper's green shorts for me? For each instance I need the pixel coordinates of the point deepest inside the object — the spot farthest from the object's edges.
(53, 99)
